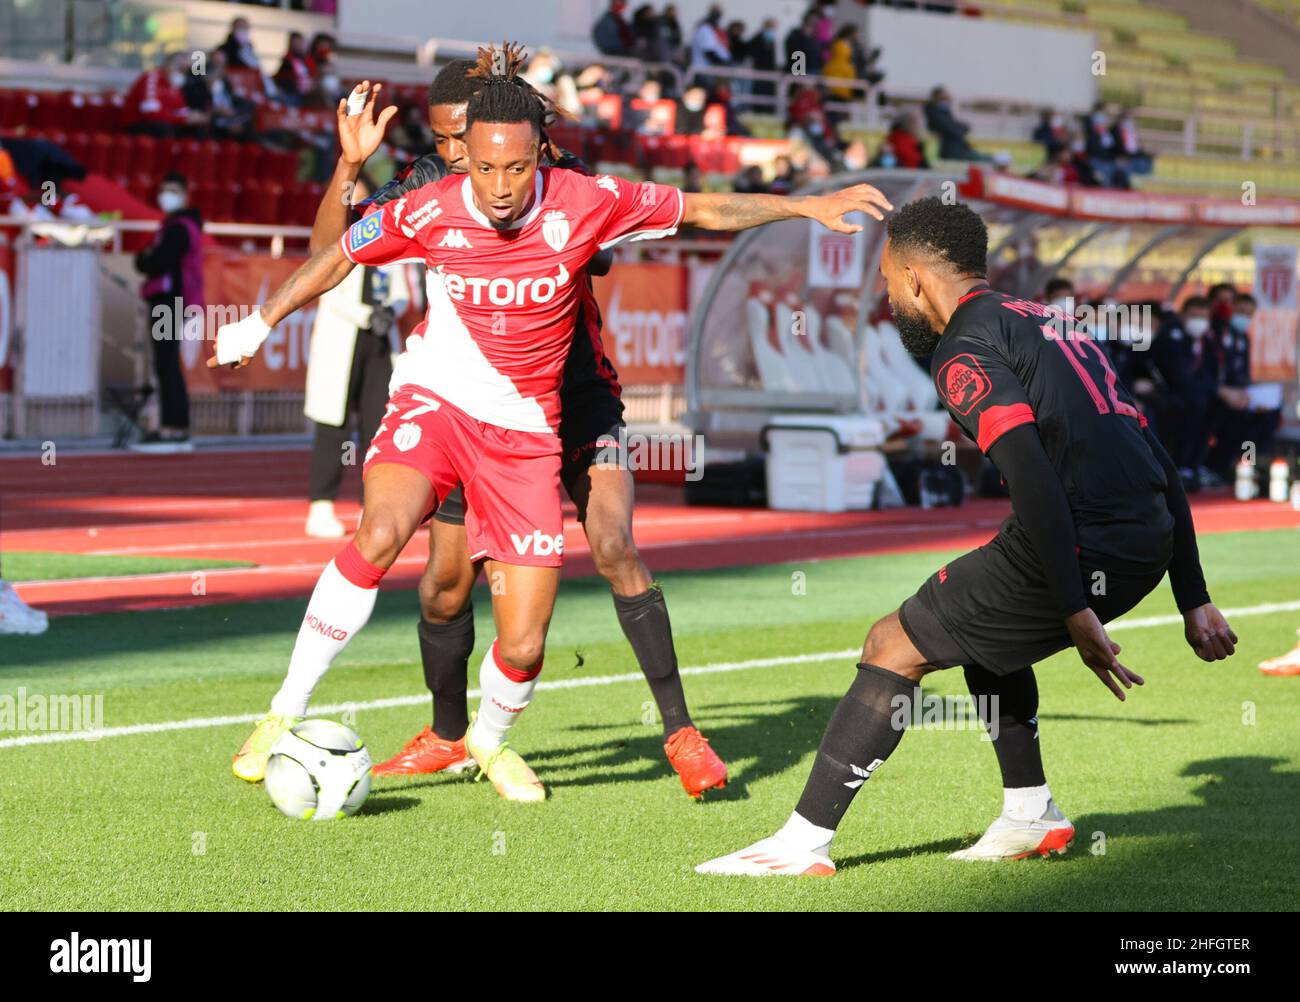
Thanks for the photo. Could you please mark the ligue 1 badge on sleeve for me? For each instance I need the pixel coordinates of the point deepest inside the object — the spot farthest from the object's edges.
(366, 231)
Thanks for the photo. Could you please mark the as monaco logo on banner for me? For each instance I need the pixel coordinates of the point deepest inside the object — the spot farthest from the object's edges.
(834, 259)
(1275, 285)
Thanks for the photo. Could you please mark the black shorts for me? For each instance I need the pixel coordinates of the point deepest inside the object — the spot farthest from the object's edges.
(591, 417)
(992, 607)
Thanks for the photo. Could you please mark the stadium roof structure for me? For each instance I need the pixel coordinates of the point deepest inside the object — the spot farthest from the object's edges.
(1117, 246)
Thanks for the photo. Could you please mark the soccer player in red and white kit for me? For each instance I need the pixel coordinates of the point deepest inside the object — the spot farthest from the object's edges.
(505, 241)
(600, 485)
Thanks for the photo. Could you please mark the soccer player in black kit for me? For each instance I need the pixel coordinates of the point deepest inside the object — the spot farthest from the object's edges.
(1099, 517)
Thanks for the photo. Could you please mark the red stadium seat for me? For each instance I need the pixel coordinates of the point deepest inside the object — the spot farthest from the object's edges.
(259, 203)
(98, 149)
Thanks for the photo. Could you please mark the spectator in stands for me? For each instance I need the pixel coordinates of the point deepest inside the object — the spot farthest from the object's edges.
(1185, 361)
(321, 51)
(690, 110)
(670, 26)
(1060, 292)
(750, 180)
(1128, 147)
(155, 104)
(648, 41)
(808, 118)
(709, 42)
(840, 63)
(173, 266)
(902, 145)
(1237, 417)
(1050, 132)
(1101, 148)
(238, 46)
(803, 53)
(295, 79)
(762, 56)
(1080, 162)
(230, 114)
(738, 46)
(940, 120)
(1058, 168)
(611, 33)
(786, 177)
(823, 26)
(639, 111)
(326, 88)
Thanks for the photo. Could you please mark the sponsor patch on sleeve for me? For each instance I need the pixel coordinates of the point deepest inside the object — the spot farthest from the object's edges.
(963, 383)
(366, 231)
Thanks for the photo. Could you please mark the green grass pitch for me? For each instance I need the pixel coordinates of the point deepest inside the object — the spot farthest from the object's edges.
(38, 566)
(1185, 797)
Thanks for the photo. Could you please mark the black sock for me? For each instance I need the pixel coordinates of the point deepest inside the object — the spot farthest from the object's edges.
(644, 619)
(864, 730)
(1016, 711)
(445, 649)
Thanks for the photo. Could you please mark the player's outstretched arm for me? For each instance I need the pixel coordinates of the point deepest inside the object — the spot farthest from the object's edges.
(359, 136)
(1040, 503)
(1207, 632)
(237, 343)
(741, 212)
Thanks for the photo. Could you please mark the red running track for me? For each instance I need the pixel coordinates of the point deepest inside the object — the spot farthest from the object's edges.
(248, 505)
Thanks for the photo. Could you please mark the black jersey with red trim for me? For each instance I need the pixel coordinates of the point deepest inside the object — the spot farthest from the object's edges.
(1003, 362)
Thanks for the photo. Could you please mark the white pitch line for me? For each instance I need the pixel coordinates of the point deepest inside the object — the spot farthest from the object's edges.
(195, 723)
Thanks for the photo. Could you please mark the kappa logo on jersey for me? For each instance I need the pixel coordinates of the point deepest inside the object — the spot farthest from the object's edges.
(609, 184)
(505, 291)
(555, 229)
(963, 383)
(863, 774)
(539, 543)
(407, 437)
(455, 239)
(365, 231)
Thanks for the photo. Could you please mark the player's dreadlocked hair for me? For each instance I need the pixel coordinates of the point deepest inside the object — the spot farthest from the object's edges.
(452, 84)
(500, 94)
(952, 233)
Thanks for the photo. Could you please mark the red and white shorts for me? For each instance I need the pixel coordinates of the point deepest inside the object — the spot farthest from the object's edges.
(511, 478)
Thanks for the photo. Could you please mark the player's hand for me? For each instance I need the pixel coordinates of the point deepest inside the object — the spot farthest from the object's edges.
(1098, 652)
(829, 210)
(361, 134)
(1208, 633)
(237, 343)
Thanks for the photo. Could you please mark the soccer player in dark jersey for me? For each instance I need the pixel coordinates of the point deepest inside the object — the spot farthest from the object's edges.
(508, 182)
(1099, 517)
(603, 492)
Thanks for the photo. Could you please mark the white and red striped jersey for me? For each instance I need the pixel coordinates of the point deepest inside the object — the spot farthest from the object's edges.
(502, 303)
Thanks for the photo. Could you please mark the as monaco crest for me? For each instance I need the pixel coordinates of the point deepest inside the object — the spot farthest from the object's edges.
(836, 253)
(1275, 267)
(555, 229)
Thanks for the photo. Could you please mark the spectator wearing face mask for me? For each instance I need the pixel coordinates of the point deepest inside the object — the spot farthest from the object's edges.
(155, 104)
(1051, 132)
(173, 287)
(803, 53)
(238, 46)
(1221, 296)
(709, 41)
(1128, 149)
(1186, 364)
(1238, 416)
(902, 146)
(690, 111)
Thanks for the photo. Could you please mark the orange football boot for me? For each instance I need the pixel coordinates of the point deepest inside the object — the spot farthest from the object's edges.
(426, 753)
(696, 763)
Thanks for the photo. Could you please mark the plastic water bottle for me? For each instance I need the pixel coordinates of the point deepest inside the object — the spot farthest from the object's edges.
(1245, 487)
(1279, 480)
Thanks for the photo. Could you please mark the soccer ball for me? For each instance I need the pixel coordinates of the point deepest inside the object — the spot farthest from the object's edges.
(318, 771)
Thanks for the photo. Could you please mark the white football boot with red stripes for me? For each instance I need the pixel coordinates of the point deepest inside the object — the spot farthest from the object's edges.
(771, 857)
(1014, 838)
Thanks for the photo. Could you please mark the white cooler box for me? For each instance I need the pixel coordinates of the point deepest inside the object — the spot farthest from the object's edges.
(823, 462)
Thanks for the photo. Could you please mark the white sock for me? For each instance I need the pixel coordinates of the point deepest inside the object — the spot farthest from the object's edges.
(503, 697)
(803, 834)
(1026, 803)
(337, 609)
